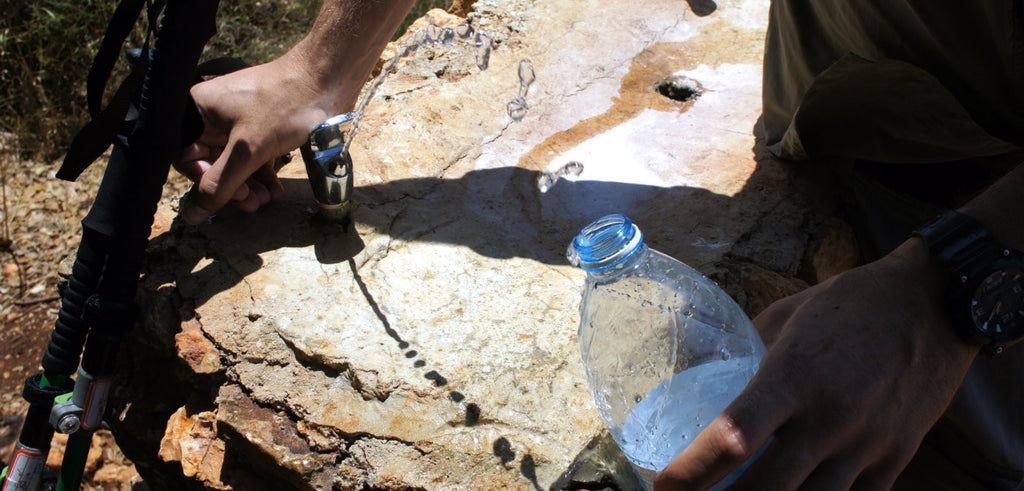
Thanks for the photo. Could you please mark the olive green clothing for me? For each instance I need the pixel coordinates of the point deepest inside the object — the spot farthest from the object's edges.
(912, 82)
(894, 80)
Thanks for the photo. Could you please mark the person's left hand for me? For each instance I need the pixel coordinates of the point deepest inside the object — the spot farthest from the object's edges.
(258, 189)
(859, 368)
(251, 117)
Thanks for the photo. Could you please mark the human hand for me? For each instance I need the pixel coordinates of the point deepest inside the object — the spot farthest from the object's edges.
(251, 117)
(859, 368)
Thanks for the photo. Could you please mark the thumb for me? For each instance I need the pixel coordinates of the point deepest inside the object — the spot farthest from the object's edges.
(730, 440)
(222, 182)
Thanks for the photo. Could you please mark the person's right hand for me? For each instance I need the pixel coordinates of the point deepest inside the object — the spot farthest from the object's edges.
(251, 117)
(858, 369)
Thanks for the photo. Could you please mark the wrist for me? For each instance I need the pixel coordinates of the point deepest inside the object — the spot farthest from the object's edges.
(335, 80)
(925, 283)
(984, 280)
(1000, 207)
(342, 48)
(914, 260)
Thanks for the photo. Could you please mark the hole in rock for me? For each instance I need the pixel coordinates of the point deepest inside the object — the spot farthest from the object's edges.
(679, 89)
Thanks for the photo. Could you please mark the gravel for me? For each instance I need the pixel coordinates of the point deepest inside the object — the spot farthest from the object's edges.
(40, 225)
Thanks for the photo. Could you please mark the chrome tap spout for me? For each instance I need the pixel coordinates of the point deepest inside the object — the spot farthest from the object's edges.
(329, 166)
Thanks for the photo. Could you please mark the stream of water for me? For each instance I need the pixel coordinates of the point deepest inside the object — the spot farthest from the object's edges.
(432, 34)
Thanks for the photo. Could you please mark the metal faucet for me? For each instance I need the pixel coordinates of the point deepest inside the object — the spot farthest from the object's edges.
(329, 166)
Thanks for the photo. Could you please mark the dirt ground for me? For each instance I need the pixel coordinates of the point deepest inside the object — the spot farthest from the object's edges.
(40, 223)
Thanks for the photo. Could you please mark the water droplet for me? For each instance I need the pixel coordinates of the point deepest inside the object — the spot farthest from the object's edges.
(574, 167)
(447, 36)
(483, 55)
(526, 73)
(637, 398)
(517, 108)
(482, 39)
(726, 354)
(420, 38)
(464, 31)
(433, 33)
(545, 181)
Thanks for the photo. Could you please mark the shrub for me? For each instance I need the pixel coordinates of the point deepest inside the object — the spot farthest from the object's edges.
(47, 46)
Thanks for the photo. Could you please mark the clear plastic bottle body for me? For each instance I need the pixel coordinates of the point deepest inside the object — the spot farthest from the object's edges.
(664, 348)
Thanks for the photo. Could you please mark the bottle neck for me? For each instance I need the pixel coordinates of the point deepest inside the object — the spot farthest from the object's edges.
(628, 264)
(607, 247)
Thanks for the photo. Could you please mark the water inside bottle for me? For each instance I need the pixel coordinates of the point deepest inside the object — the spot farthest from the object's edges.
(665, 349)
(671, 415)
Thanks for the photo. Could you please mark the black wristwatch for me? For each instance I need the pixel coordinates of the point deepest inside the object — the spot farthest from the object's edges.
(986, 292)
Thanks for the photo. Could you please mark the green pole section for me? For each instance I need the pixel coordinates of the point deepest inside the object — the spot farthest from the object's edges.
(76, 453)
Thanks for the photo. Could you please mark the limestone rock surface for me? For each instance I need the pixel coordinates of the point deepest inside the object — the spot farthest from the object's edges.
(432, 344)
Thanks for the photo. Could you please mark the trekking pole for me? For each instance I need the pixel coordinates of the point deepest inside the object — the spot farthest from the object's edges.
(98, 307)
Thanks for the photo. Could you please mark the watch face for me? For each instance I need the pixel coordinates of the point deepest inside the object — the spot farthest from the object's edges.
(997, 308)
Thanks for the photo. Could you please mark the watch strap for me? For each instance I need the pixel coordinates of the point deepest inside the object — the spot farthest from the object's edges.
(960, 242)
(969, 252)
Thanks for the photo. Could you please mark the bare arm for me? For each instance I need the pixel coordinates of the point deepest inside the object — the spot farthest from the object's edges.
(859, 368)
(254, 115)
(1001, 208)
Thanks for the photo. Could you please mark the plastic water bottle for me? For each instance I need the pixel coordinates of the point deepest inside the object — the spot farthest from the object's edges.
(665, 349)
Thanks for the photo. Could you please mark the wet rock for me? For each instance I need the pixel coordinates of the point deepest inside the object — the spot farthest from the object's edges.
(431, 344)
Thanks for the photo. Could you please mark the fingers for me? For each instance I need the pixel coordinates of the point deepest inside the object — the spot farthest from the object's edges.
(801, 454)
(257, 190)
(195, 160)
(266, 176)
(193, 169)
(729, 441)
(877, 479)
(221, 183)
(250, 196)
(832, 474)
(716, 451)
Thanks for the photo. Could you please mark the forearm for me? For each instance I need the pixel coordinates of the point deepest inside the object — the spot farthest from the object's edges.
(343, 46)
(1001, 209)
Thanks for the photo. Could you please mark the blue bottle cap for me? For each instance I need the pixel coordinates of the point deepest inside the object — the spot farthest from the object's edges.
(605, 243)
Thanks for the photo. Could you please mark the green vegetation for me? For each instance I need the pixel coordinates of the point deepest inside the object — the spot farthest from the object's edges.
(47, 46)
